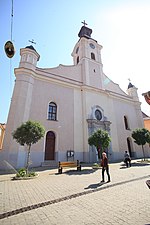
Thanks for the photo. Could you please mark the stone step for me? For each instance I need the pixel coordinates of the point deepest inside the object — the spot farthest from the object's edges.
(50, 163)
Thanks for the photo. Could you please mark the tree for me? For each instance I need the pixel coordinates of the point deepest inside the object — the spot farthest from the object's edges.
(100, 139)
(148, 137)
(28, 133)
(141, 136)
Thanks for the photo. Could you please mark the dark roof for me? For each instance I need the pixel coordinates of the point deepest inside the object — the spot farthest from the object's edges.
(31, 47)
(130, 85)
(85, 32)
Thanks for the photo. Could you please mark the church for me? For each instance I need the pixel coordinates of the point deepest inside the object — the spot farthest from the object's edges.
(71, 102)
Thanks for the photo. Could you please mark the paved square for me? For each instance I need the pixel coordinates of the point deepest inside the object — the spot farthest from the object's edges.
(78, 197)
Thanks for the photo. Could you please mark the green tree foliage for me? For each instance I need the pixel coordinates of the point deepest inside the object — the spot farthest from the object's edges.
(100, 139)
(141, 136)
(148, 138)
(28, 133)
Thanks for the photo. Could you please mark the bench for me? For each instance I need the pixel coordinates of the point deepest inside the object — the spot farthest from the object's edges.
(69, 164)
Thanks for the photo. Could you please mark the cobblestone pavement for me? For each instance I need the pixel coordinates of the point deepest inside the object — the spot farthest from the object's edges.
(78, 198)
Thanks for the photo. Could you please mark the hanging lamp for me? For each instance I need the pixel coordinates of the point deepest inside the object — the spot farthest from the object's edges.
(9, 47)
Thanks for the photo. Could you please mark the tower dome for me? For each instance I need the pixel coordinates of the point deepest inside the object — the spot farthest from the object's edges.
(130, 85)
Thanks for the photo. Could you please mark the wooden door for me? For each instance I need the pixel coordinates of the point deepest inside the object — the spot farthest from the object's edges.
(50, 146)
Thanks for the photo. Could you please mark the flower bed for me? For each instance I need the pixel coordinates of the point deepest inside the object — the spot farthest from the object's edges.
(24, 175)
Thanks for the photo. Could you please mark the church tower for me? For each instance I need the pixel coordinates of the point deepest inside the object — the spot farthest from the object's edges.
(21, 103)
(132, 91)
(29, 57)
(87, 53)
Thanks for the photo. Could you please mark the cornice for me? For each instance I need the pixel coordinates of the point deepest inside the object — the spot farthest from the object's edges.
(48, 77)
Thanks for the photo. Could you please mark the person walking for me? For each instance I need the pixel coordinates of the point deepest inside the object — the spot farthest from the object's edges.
(105, 166)
(127, 159)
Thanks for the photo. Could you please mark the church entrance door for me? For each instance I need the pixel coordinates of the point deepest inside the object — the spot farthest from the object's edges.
(50, 146)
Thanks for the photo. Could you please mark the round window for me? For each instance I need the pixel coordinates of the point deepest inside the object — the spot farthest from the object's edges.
(98, 114)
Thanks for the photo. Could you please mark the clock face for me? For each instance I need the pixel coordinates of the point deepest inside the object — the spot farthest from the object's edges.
(92, 46)
(98, 114)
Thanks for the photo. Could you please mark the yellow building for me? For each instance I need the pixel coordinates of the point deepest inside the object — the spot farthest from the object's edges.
(146, 121)
(2, 133)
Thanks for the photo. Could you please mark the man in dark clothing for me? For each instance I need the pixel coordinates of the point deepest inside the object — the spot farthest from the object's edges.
(127, 159)
(105, 166)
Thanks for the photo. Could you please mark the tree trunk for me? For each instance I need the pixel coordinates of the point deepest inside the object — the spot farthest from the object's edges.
(143, 152)
(99, 153)
(28, 159)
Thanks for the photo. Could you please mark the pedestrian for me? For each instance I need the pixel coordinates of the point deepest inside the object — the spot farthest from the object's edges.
(105, 166)
(127, 159)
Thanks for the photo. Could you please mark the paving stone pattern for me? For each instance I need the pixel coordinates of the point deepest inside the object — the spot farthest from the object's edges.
(78, 198)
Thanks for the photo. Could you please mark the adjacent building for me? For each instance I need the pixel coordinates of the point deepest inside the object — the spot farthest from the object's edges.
(2, 133)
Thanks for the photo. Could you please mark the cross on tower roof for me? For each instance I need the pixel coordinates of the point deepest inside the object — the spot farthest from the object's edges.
(84, 23)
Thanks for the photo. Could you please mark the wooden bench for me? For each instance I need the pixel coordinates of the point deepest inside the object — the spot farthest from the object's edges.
(69, 164)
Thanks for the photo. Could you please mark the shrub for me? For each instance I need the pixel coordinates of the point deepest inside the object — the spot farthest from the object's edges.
(22, 173)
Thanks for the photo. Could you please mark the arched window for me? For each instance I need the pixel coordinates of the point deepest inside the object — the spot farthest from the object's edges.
(52, 111)
(126, 123)
(77, 59)
(92, 55)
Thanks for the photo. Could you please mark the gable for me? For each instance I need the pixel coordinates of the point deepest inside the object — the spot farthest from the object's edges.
(109, 85)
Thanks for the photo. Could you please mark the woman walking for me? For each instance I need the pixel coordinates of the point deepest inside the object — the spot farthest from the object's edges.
(105, 166)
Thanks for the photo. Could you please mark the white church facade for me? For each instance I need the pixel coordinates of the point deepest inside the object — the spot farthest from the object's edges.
(71, 102)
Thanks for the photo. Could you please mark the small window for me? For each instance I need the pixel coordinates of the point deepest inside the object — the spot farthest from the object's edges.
(52, 111)
(77, 50)
(92, 56)
(77, 59)
(126, 123)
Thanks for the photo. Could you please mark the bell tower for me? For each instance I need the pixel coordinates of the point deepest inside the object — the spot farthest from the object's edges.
(132, 91)
(29, 57)
(87, 53)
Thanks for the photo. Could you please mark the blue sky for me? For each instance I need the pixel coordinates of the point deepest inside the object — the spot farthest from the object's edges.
(120, 26)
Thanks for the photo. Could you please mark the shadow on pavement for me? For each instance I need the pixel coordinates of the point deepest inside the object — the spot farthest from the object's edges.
(148, 183)
(75, 172)
(138, 164)
(91, 186)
